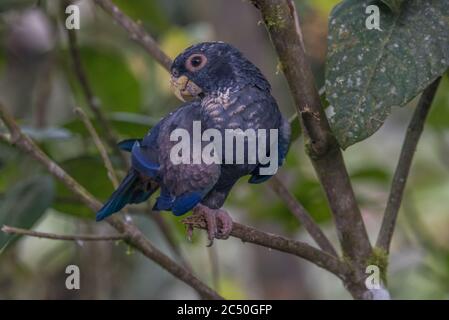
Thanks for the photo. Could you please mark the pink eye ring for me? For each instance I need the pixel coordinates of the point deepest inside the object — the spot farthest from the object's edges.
(195, 62)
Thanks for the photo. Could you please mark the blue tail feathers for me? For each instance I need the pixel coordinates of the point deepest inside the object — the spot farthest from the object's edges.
(164, 202)
(185, 203)
(127, 145)
(131, 190)
(141, 163)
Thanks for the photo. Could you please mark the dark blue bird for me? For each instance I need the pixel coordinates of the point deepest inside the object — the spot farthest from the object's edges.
(229, 92)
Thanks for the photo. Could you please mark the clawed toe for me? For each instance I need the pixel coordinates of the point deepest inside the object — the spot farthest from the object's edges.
(218, 222)
(224, 225)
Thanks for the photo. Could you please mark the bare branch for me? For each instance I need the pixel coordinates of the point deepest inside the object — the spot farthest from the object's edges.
(302, 215)
(36, 234)
(412, 136)
(277, 242)
(283, 26)
(100, 146)
(133, 235)
(136, 32)
(92, 101)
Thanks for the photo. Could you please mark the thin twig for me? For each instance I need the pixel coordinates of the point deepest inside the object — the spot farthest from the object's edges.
(86, 88)
(100, 146)
(76, 237)
(412, 136)
(136, 32)
(302, 215)
(133, 235)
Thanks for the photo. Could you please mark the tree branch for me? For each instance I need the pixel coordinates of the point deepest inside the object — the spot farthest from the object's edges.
(36, 234)
(282, 23)
(280, 243)
(133, 235)
(302, 215)
(412, 136)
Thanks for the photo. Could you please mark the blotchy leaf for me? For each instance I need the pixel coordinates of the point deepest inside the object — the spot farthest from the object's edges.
(369, 71)
(394, 5)
(25, 203)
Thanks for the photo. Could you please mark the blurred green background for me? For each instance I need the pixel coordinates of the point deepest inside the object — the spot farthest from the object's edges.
(38, 85)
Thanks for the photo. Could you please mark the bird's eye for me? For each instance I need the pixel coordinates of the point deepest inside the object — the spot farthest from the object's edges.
(195, 62)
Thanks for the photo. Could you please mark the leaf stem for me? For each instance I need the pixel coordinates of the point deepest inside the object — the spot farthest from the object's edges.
(401, 174)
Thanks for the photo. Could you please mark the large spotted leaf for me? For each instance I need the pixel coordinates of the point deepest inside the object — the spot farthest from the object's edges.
(370, 71)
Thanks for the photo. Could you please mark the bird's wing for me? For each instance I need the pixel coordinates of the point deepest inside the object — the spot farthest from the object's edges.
(183, 185)
(283, 146)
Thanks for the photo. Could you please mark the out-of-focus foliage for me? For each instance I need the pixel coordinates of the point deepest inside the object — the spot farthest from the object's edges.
(439, 115)
(91, 173)
(23, 204)
(114, 84)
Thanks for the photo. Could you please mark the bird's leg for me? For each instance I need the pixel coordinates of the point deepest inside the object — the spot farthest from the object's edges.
(218, 222)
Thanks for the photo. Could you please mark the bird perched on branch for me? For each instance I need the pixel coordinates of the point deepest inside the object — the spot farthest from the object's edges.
(229, 93)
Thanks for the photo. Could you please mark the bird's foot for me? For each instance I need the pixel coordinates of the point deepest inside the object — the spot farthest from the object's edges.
(217, 222)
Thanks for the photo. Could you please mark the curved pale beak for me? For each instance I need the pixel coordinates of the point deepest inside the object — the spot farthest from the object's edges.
(183, 87)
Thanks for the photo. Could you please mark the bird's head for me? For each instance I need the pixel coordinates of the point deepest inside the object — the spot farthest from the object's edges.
(210, 67)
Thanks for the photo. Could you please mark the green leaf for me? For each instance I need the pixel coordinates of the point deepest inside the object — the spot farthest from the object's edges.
(370, 71)
(394, 5)
(24, 204)
(90, 173)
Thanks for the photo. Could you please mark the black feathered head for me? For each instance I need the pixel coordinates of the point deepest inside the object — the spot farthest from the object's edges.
(209, 67)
